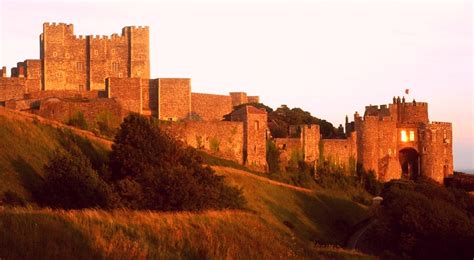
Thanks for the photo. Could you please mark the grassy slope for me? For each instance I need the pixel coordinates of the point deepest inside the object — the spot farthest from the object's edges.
(25, 145)
(259, 232)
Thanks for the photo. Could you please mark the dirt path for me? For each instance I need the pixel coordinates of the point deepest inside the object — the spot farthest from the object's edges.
(354, 239)
(25, 116)
(247, 174)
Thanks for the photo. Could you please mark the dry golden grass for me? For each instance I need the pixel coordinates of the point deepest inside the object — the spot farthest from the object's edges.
(92, 234)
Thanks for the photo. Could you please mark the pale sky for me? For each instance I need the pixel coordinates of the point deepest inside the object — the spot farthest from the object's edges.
(331, 58)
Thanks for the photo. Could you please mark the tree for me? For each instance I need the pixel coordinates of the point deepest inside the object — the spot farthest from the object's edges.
(424, 220)
(71, 183)
(151, 170)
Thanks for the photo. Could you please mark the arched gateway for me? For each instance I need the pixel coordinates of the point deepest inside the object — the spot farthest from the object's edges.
(409, 161)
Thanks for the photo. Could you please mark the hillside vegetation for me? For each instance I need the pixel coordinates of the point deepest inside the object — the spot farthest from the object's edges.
(280, 220)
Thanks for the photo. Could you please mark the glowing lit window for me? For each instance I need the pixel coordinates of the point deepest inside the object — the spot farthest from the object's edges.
(404, 136)
(412, 135)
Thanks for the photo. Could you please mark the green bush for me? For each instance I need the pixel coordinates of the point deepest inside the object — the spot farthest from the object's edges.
(273, 157)
(423, 220)
(71, 183)
(151, 170)
(78, 120)
(11, 198)
(107, 123)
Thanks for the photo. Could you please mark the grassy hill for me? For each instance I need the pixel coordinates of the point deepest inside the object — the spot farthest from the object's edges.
(281, 221)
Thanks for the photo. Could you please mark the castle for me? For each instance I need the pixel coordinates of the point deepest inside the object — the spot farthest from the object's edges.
(93, 74)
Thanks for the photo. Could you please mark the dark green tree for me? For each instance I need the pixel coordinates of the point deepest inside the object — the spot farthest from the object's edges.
(151, 170)
(72, 183)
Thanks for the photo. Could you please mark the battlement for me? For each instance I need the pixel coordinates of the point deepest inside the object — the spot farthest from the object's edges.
(69, 28)
(440, 123)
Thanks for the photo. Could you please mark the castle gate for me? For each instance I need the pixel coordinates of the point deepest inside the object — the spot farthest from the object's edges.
(409, 161)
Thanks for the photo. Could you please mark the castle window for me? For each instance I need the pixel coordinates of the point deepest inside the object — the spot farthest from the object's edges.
(67, 55)
(120, 74)
(412, 135)
(445, 134)
(80, 66)
(404, 136)
(257, 125)
(425, 149)
(55, 54)
(96, 52)
(115, 67)
(113, 51)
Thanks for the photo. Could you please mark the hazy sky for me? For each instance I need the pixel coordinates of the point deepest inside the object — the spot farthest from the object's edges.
(331, 58)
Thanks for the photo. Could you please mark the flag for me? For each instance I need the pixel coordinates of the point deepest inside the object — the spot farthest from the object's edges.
(407, 91)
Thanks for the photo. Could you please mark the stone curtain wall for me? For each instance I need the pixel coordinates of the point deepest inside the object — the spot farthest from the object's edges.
(342, 152)
(127, 92)
(223, 139)
(12, 88)
(253, 99)
(210, 107)
(174, 99)
(288, 148)
(150, 97)
(62, 110)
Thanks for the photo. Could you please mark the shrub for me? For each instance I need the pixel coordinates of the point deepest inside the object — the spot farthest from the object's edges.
(423, 220)
(151, 170)
(78, 120)
(107, 123)
(11, 198)
(273, 157)
(71, 183)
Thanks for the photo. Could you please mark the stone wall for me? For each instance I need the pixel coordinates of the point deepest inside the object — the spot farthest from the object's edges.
(127, 92)
(63, 109)
(413, 112)
(342, 152)
(253, 99)
(209, 106)
(310, 136)
(12, 88)
(150, 97)
(289, 148)
(255, 131)
(238, 98)
(174, 98)
(223, 139)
